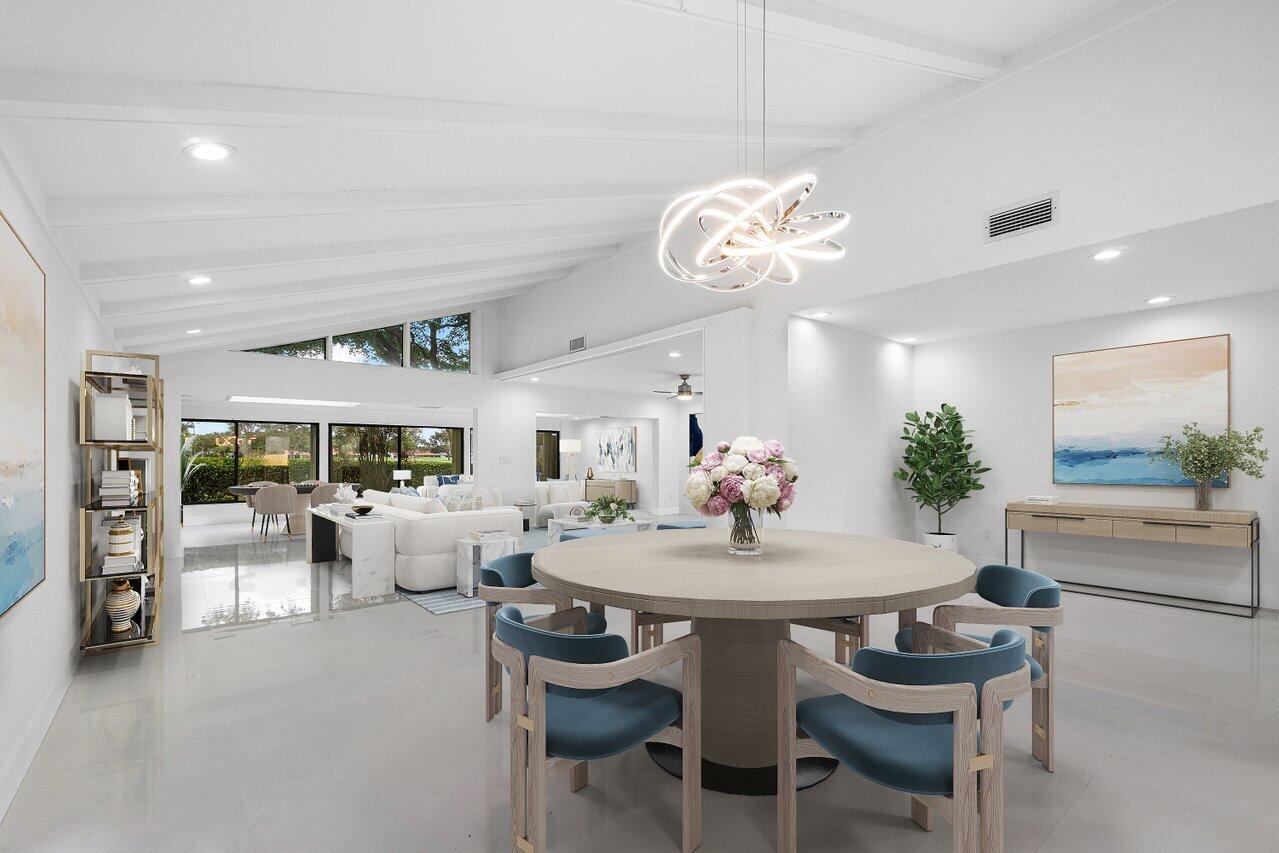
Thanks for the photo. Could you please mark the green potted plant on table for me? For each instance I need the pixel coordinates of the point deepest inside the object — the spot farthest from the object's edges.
(1207, 458)
(937, 467)
(609, 508)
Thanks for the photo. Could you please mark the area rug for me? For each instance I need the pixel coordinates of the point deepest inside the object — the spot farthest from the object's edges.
(442, 601)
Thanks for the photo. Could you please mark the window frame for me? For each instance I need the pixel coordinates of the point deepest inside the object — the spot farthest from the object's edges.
(474, 351)
(399, 442)
(235, 451)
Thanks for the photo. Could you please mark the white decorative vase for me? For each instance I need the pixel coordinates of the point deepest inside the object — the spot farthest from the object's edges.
(122, 603)
(943, 541)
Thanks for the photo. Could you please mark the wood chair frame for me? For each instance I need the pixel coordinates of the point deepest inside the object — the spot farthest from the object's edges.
(496, 595)
(851, 633)
(947, 616)
(648, 630)
(976, 812)
(530, 765)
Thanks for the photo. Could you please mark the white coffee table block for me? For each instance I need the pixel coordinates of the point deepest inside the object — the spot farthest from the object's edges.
(473, 553)
(555, 527)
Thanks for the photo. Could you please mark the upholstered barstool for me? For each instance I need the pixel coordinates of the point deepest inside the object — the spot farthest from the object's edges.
(509, 580)
(575, 698)
(1019, 597)
(909, 721)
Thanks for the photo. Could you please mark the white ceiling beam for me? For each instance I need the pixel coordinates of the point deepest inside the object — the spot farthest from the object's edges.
(211, 303)
(311, 321)
(131, 270)
(819, 26)
(96, 212)
(55, 95)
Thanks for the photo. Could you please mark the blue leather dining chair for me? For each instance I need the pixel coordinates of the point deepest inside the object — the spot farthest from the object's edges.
(509, 580)
(681, 525)
(1019, 597)
(909, 721)
(579, 697)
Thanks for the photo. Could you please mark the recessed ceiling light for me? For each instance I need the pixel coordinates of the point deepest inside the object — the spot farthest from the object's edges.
(909, 340)
(534, 379)
(199, 279)
(289, 401)
(1158, 300)
(194, 331)
(1107, 254)
(674, 354)
(209, 151)
(818, 315)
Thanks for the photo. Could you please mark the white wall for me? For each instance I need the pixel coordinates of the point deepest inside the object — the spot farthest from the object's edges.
(646, 454)
(1003, 386)
(848, 393)
(40, 635)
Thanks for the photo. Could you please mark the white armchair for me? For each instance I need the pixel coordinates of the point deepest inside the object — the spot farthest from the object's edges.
(557, 497)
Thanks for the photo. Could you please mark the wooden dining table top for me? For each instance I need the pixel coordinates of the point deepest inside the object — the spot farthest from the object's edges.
(801, 574)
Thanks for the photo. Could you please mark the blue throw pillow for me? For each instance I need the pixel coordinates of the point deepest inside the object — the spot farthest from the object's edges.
(447, 479)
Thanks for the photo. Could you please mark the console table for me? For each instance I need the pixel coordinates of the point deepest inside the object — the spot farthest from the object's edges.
(1226, 528)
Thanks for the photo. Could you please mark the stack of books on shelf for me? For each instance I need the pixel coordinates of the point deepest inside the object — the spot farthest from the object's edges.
(119, 488)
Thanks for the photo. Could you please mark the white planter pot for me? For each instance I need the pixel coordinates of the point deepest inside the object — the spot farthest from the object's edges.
(943, 541)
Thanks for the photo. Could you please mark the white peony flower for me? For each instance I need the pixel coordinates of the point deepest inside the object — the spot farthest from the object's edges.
(753, 471)
(735, 462)
(718, 473)
(698, 488)
(761, 493)
(792, 473)
(744, 444)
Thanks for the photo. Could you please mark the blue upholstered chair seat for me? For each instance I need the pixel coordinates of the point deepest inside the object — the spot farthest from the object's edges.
(587, 532)
(888, 748)
(590, 727)
(903, 640)
(681, 525)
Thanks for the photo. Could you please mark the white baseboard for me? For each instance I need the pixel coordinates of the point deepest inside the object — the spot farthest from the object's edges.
(18, 761)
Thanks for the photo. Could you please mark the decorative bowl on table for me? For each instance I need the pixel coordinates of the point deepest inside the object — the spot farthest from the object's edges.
(362, 509)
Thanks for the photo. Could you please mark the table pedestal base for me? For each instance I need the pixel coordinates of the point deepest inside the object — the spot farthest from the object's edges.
(748, 781)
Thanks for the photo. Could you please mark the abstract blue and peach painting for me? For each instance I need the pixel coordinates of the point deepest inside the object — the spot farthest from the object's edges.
(21, 420)
(1112, 406)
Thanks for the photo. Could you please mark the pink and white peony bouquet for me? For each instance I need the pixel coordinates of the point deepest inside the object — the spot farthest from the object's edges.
(743, 475)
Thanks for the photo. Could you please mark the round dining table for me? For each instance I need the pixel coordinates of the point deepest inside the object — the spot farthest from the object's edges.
(740, 608)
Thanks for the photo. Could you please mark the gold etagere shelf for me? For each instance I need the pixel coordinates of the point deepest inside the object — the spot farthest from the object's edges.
(121, 428)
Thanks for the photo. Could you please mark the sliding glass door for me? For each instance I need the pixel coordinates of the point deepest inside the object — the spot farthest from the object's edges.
(219, 454)
(368, 453)
(548, 454)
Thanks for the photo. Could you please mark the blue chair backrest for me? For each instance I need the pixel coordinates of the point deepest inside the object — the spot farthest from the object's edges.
(575, 648)
(586, 533)
(512, 570)
(1009, 586)
(1007, 653)
(681, 525)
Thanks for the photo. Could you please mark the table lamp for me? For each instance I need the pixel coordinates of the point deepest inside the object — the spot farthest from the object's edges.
(570, 447)
(401, 475)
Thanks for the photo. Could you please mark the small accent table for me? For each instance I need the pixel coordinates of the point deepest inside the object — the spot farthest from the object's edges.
(527, 508)
(473, 553)
(372, 548)
(555, 527)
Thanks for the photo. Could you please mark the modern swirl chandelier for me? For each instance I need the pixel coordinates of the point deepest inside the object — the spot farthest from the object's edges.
(738, 233)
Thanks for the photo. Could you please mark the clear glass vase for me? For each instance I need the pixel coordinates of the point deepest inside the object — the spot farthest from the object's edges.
(1203, 495)
(745, 537)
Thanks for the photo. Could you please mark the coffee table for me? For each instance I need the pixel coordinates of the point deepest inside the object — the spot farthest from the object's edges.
(555, 527)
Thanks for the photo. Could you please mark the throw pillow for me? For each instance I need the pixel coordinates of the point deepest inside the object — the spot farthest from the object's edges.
(456, 504)
(414, 502)
(447, 479)
(404, 490)
(434, 505)
(562, 493)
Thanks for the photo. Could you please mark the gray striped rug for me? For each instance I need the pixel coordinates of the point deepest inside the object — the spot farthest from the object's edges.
(441, 601)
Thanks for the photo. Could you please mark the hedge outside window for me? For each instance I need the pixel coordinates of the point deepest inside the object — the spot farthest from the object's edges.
(368, 453)
(374, 346)
(301, 349)
(441, 343)
(219, 454)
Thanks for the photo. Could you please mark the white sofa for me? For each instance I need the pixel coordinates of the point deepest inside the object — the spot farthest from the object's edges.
(489, 497)
(557, 497)
(426, 542)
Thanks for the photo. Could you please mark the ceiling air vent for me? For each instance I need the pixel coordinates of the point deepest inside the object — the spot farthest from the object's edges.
(1021, 217)
(577, 344)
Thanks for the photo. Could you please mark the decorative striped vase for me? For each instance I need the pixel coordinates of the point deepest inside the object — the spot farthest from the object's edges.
(122, 603)
(120, 539)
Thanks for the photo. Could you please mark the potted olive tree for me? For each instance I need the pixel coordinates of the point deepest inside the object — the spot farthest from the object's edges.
(937, 467)
(1207, 458)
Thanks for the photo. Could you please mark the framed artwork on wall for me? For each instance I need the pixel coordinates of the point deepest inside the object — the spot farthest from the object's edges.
(616, 451)
(22, 419)
(1112, 406)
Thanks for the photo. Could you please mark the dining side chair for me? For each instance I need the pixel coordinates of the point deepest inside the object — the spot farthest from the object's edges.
(851, 633)
(911, 722)
(248, 499)
(509, 580)
(1017, 597)
(648, 630)
(274, 501)
(580, 697)
(325, 493)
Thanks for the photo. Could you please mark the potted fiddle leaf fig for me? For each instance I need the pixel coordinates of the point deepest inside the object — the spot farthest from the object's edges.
(938, 468)
(1207, 458)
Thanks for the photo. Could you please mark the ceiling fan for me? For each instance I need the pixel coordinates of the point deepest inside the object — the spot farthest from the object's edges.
(683, 391)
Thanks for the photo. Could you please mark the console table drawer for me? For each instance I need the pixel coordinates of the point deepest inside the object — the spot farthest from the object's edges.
(1228, 535)
(1085, 526)
(1031, 522)
(1152, 531)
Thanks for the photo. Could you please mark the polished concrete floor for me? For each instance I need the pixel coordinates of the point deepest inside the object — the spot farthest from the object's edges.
(279, 714)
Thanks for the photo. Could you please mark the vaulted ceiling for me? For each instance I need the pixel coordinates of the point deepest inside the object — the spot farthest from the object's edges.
(402, 158)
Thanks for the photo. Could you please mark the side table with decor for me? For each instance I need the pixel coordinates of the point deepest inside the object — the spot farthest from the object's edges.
(474, 551)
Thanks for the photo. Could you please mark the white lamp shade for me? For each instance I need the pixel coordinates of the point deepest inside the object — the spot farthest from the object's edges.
(402, 475)
(570, 445)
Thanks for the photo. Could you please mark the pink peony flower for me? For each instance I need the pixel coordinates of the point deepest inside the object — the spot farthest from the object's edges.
(710, 460)
(777, 472)
(716, 506)
(775, 448)
(788, 491)
(759, 455)
(723, 446)
(783, 504)
(730, 488)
